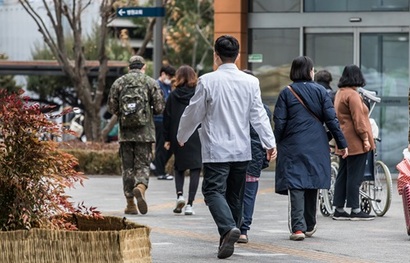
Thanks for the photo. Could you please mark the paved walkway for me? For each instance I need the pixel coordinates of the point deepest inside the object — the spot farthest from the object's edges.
(180, 238)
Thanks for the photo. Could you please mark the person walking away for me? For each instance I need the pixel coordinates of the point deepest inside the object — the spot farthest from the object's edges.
(226, 102)
(189, 156)
(162, 155)
(303, 164)
(134, 98)
(354, 118)
(253, 172)
(324, 77)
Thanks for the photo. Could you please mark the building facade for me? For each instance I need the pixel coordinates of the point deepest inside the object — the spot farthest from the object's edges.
(373, 34)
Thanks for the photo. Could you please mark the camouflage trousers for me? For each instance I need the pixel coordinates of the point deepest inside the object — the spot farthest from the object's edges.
(135, 159)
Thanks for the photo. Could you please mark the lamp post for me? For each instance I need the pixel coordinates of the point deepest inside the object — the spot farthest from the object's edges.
(158, 42)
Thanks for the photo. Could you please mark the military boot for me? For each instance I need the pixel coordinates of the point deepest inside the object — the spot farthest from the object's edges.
(131, 208)
(139, 193)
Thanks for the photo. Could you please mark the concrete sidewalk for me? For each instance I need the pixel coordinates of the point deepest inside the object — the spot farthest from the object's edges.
(180, 238)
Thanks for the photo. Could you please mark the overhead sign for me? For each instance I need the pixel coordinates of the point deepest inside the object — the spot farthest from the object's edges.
(140, 11)
(255, 58)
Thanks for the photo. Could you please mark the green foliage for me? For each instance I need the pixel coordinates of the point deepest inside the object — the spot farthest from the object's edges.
(189, 33)
(7, 82)
(33, 174)
(94, 157)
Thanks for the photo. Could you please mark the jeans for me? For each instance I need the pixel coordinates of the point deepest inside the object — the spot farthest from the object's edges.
(223, 186)
(251, 188)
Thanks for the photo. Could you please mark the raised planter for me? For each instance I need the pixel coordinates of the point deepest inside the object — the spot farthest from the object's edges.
(107, 240)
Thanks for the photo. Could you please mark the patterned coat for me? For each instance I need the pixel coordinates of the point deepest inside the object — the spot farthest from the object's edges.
(133, 78)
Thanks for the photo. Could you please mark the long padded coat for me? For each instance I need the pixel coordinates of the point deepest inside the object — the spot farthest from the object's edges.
(189, 156)
(303, 160)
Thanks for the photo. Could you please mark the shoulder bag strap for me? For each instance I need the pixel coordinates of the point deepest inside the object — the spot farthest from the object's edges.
(301, 102)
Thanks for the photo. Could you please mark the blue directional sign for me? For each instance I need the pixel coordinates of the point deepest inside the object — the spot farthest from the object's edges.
(140, 11)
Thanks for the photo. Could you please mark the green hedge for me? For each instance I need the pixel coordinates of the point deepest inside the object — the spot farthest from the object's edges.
(94, 158)
(97, 162)
(99, 158)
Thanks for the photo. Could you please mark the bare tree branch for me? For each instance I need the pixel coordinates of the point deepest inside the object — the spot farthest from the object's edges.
(148, 37)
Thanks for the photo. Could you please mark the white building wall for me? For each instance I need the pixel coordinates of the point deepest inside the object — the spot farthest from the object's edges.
(19, 32)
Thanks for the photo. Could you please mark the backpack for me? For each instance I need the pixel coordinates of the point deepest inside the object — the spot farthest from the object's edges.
(135, 107)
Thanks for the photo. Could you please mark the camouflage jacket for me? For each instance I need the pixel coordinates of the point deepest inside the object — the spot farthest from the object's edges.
(134, 77)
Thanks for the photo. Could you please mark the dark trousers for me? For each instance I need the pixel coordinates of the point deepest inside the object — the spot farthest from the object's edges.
(161, 154)
(223, 185)
(348, 181)
(249, 198)
(193, 183)
(302, 204)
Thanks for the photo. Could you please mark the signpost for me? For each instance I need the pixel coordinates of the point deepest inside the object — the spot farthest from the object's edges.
(159, 13)
(141, 11)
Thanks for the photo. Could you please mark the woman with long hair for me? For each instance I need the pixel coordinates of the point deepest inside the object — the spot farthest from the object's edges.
(189, 156)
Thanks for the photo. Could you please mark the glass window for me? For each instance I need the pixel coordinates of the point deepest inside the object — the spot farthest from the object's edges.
(259, 6)
(330, 51)
(355, 5)
(384, 61)
(274, 50)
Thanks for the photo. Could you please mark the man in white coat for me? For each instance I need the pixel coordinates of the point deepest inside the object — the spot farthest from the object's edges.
(225, 103)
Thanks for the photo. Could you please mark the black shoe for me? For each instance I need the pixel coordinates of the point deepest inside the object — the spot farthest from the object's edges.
(341, 215)
(228, 243)
(165, 177)
(361, 216)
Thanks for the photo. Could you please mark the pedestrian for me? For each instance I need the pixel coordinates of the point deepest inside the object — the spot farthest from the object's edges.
(303, 164)
(354, 118)
(324, 77)
(162, 155)
(134, 98)
(253, 172)
(226, 102)
(189, 156)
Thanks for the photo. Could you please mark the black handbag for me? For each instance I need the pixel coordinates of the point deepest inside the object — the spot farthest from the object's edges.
(328, 133)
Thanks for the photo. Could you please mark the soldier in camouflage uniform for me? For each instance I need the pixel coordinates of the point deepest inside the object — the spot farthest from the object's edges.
(136, 142)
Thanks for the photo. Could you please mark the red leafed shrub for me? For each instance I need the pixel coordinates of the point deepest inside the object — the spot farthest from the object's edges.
(34, 173)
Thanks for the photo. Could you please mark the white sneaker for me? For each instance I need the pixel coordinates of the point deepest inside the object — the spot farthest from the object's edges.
(189, 210)
(179, 205)
(152, 166)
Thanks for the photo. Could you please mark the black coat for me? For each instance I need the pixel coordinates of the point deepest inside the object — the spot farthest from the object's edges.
(188, 156)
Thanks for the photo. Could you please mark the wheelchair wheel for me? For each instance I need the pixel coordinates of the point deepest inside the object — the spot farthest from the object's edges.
(322, 206)
(327, 194)
(381, 189)
(365, 204)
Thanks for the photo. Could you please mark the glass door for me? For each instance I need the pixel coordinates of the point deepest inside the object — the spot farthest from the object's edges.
(384, 60)
(383, 56)
(330, 50)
